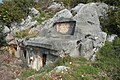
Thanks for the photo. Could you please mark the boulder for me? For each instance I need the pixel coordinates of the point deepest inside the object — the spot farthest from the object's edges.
(28, 23)
(87, 17)
(15, 27)
(87, 39)
(60, 68)
(56, 6)
(110, 38)
(77, 8)
(34, 12)
(17, 79)
(91, 44)
(9, 37)
(34, 30)
(101, 8)
(63, 13)
(6, 29)
(87, 20)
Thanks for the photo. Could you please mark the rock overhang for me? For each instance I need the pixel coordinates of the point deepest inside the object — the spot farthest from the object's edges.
(56, 44)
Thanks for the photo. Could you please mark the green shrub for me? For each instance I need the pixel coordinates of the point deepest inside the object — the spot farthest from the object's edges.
(14, 10)
(111, 23)
(116, 44)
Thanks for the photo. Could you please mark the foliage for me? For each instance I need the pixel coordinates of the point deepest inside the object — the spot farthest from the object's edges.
(108, 60)
(73, 3)
(111, 2)
(111, 23)
(116, 45)
(14, 10)
(2, 36)
(27, 73)
(43, 16)
(42, 4)
(25, 34)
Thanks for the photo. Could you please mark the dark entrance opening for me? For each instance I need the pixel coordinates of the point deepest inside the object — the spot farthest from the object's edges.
(44, 56)
(25, 54)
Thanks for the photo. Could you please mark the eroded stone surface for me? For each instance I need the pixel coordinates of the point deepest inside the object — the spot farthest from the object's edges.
(87, 38)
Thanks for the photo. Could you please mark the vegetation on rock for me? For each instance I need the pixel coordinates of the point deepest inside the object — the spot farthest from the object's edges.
(43, 16)
(25, 34)
(2, 36)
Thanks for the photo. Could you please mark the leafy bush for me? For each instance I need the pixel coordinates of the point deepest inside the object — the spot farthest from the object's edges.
(14, 10)
(111, 23)
(116, 44)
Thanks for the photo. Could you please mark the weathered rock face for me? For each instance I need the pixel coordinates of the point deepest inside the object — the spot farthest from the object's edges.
(101, 8)
(9, 37)
(87, 38)
(77, 8)
(88, 25)
(87, 17)
(48, 24)
(63, 13)
(87, 20)
(92, 44)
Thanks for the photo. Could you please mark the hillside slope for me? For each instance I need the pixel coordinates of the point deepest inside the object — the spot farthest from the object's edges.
(106, 67)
